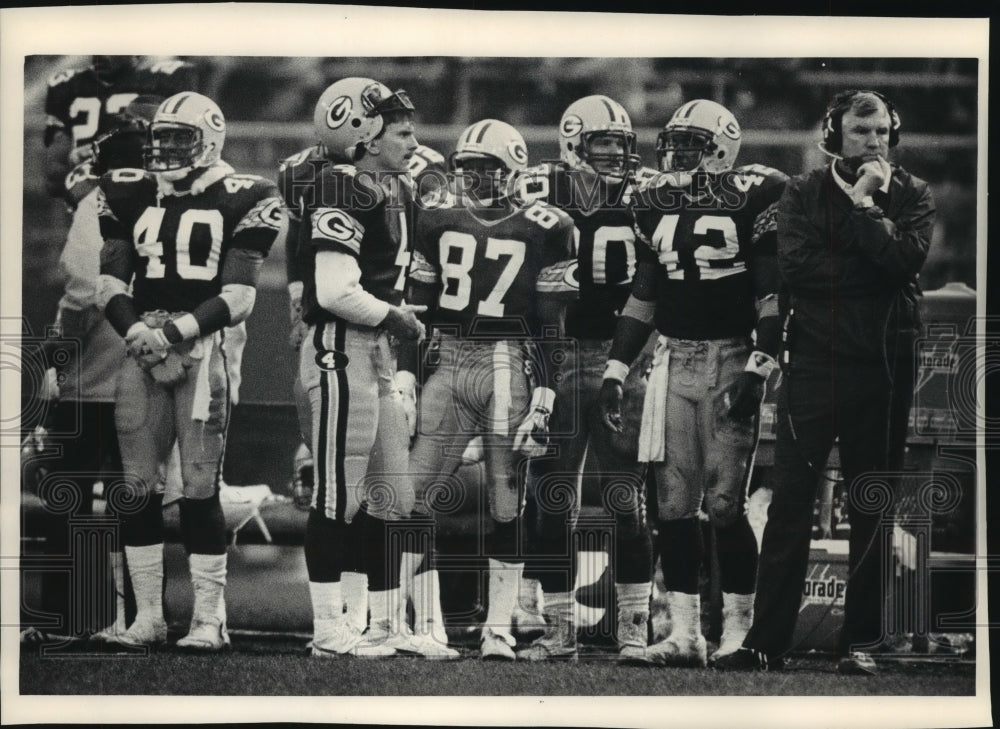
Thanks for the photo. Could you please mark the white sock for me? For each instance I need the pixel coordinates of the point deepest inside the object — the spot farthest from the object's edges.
(504, 580)
(737, 616)
(428, 618)
(685, 613)
(354, 588)
(145, 567)
(326, 601)
(530, 597)
(208, 578)
(384, 605)
(633, 597)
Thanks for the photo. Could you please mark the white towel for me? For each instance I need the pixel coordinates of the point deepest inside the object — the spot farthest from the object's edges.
(652, 432)
(202, 387)
(501, 388)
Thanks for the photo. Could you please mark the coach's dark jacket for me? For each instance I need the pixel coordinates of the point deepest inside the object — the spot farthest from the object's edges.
(852, 273)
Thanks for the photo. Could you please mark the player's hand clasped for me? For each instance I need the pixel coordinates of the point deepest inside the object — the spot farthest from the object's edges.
(402, 322)
(611, 404)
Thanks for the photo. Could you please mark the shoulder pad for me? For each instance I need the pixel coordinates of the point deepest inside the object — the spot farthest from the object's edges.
(65, 75)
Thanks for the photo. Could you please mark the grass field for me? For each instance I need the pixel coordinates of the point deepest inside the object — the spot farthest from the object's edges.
(279, 667)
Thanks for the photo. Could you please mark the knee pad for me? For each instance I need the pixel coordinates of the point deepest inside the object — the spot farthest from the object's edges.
(144, 526)
(203, 525)
(324, 547)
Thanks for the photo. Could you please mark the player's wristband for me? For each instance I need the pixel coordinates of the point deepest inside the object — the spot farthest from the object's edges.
(182, 328)
(761, 364)
(616, 370)
(135, 328)
(543, 398)
(295, 291)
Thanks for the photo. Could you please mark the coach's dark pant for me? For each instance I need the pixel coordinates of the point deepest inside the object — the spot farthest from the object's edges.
(866, 407)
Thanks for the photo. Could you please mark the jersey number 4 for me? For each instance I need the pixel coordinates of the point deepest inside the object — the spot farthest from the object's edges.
(457, 275)
(148, 244)
(713, 262)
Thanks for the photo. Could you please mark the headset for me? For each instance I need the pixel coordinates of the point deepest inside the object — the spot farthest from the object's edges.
(833, 135)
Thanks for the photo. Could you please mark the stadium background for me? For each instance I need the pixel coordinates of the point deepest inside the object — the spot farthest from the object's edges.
(268, 104)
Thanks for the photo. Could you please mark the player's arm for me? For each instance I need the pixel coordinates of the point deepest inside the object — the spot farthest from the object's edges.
(294, 210)
(337, 234)
(422, 289)
(252, 240)
(56, 161)
(899, 247)
(118, 264)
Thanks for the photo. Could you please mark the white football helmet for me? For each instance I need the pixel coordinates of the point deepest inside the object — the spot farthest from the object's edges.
(350, 112)
(700, 135)
(187, 132)
(593, 117)
(491, 151)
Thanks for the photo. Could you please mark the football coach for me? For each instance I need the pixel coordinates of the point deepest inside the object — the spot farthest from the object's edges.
(852, 237)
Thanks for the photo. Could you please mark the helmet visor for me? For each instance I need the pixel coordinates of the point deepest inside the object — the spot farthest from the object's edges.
(609, 153)
(171, 147)
(377, 102)
(682, 150)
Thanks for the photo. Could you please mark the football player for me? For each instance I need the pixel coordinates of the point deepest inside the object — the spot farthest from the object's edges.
(713, 287)
(478, 263)
(357, 218)
(184, 241)
(593, 183)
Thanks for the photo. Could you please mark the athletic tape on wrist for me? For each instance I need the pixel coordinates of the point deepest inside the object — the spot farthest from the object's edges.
(761, 364)
(616, 370)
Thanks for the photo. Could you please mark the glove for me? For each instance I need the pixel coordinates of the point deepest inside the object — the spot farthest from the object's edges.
(743, 397)
(299, 327)
(142, 340)
(406, 385)
(170, 370)
(532, 436)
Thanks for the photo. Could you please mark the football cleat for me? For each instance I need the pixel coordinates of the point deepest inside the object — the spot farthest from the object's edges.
(342, 639)
(632, 634)
(205, 637)
(110, 634)
(679, 650)
(528, 625)
(857, 664)
(737, 616)
(747, 659)
(557, 644)
(494, 646)
(406, 643)
(144, 632)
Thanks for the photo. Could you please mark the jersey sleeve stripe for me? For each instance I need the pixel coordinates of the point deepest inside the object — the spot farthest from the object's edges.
(333, 225)
(421, 269)
(265, 214)
(558, 278)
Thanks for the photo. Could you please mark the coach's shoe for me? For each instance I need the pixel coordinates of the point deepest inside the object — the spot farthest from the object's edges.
(857, 663)
(737, 615)
(144, 631)
(110, 634)
(632, 639)
(557, 644)
(405, 643)
(684, 649)
(748, 659)
(495, 646)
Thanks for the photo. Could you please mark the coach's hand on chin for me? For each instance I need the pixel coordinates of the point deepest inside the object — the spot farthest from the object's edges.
(402, 322)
